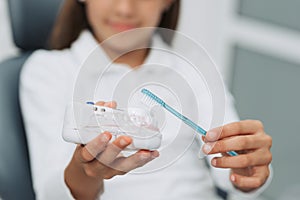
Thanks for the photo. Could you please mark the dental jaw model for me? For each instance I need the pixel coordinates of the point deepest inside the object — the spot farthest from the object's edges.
(84, 122)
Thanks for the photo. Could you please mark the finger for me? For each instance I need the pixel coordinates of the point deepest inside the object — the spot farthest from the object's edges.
(255, 158)
(134, 161)
(113, 149)
(100, 103)
(97, 169)
(93, 148)
(110, 173)
(238, 143)
(111, 104)
(235, 128)
(252, 182)
(100, 167)
(121, 165)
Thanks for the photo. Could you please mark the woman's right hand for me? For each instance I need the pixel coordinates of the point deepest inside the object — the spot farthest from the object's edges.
(101, 159)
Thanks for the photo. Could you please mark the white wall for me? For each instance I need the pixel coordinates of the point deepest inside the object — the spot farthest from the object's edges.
(7, 49)
(201, 20)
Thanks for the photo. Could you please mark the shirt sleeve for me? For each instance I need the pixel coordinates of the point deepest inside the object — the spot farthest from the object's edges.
(221, 176)
(43, 92)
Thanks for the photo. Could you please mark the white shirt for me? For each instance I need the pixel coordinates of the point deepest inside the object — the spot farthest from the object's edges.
(47, 86)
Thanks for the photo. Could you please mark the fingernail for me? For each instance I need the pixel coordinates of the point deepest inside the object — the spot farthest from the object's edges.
(123, 142)
(104, 137)
(201, 154)
(144, 156)
(154, 155)
(232, 178)
(214, 162)
(207, 148)
(212, 135)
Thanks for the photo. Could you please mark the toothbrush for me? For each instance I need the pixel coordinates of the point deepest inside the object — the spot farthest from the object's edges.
(150, 97)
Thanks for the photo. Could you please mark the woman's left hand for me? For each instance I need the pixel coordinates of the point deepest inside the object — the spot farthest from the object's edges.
(250, 169)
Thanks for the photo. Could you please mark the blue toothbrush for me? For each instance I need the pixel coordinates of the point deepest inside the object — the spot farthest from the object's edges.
(179, 115)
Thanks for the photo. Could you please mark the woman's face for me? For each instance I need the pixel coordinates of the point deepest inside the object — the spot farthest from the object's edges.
(109, 17)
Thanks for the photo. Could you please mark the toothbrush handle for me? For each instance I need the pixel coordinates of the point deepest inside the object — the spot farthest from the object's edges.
(190, 123)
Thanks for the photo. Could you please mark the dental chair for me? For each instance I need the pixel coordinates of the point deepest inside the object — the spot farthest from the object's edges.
(31, 22)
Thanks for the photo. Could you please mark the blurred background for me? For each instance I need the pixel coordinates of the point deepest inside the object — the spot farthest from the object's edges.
(256, 44)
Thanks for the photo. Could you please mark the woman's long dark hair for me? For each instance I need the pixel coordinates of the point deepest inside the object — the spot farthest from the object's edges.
(72, 20)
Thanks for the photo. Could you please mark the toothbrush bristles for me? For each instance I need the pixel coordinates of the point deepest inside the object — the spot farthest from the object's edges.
(148, 98)
(148, 101)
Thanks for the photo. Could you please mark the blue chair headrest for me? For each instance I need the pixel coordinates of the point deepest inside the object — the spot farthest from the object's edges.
(32, 21)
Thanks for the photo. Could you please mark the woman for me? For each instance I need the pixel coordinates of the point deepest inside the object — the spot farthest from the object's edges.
(60, 172)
